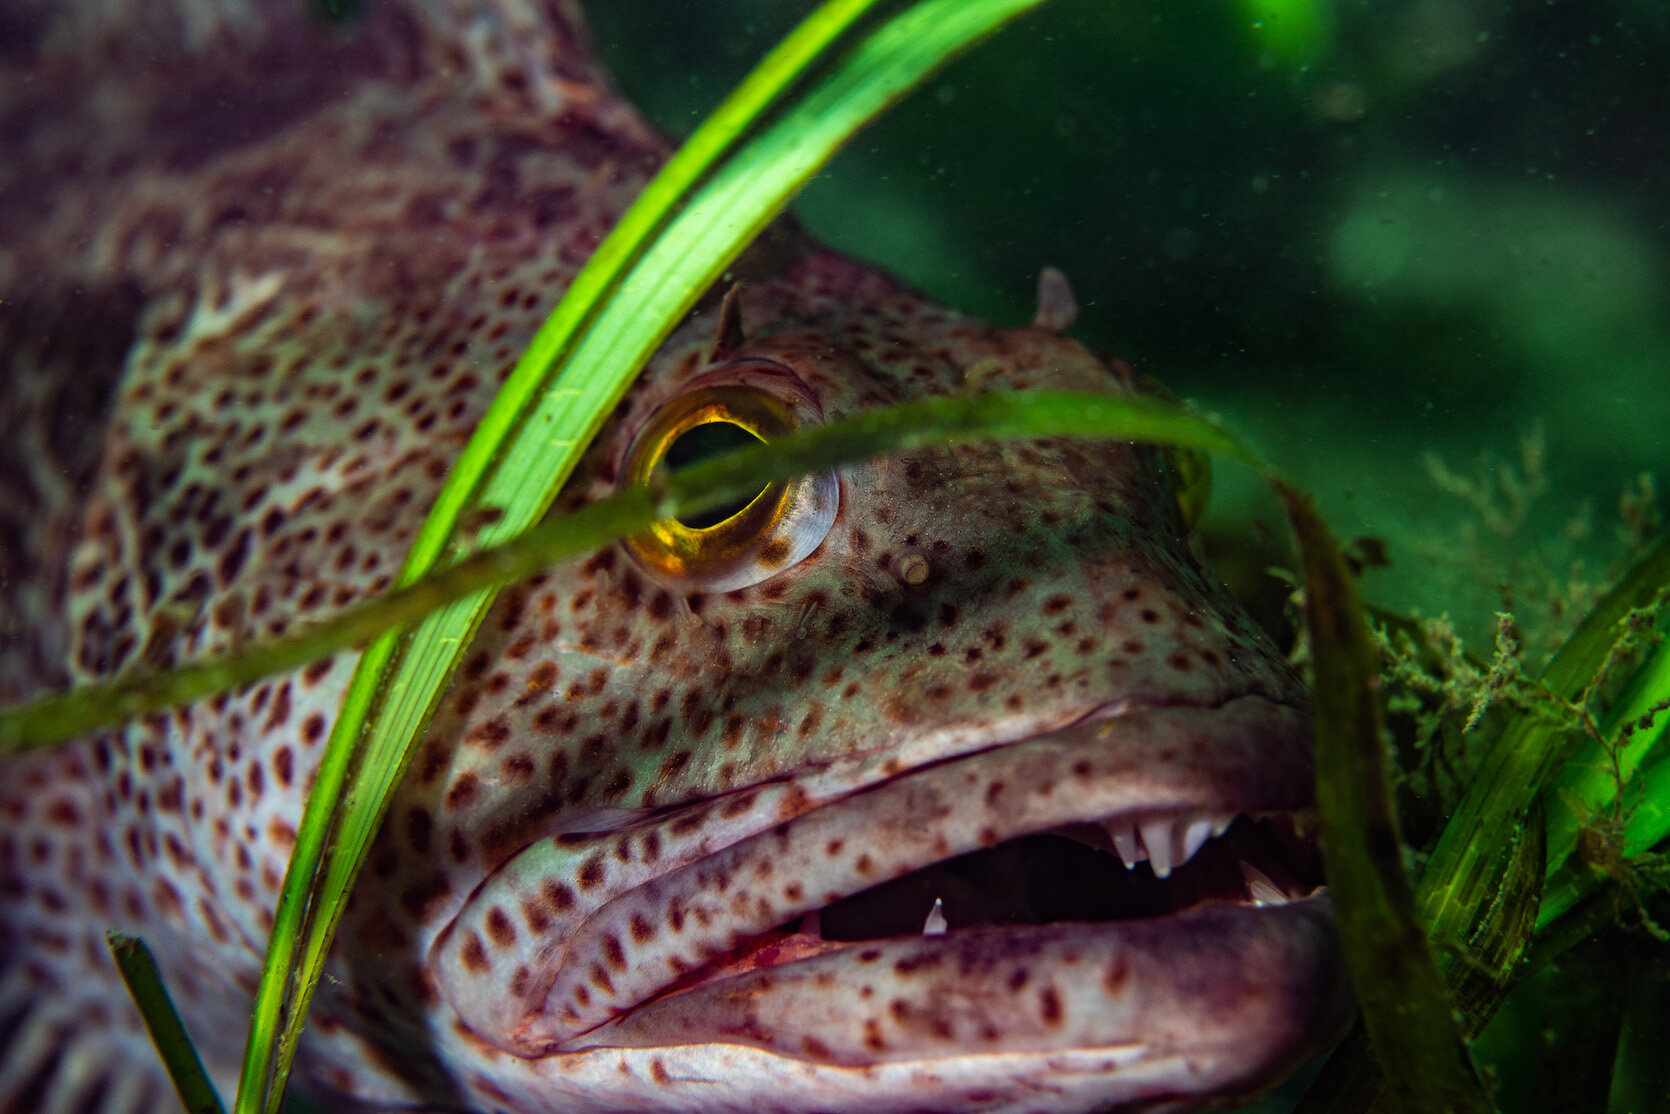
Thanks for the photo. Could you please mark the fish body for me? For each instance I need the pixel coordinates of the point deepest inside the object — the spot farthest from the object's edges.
(674, 834)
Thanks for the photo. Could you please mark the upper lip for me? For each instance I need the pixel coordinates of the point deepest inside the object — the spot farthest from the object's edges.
(1172, 773)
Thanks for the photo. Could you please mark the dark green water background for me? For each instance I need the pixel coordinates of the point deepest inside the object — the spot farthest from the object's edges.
(1360, 232)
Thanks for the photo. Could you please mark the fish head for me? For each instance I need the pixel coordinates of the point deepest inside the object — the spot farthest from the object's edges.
(946, 781)
(687, 817)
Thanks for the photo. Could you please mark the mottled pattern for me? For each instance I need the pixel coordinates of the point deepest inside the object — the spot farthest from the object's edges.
(257, 282)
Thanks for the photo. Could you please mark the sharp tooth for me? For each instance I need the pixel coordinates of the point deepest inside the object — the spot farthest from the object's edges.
(1260, 888)
(1195, 834)
(935, 924)
(1124, 838)
(1221, 823)
(1156, 836)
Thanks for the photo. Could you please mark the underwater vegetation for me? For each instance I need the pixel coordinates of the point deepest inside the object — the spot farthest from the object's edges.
(1525, 744)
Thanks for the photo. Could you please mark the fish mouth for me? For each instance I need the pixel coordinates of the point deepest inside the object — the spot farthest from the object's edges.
(1142, 882)
(1082, 873)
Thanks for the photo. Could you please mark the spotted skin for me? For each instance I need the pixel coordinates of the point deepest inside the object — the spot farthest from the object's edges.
(286, 268)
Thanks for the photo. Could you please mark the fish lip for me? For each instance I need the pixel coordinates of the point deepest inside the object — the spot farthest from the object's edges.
(1281, 963)
(1248, 754)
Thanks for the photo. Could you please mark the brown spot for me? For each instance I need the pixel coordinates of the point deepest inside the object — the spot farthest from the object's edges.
(591, 872)
(281, 834)
(1114, 978)
(163, 894)
(313, 729)
(500, 928)
(906, 965)
(613, 954)
(617, 785)
(473, 955)
(491, 734)
(773, 553)
(1049, 1006)
(463, 791)
(476, 666)
(536, 915)
(642, 930)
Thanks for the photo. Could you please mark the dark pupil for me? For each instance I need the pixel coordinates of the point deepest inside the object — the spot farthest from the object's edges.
(704, 442)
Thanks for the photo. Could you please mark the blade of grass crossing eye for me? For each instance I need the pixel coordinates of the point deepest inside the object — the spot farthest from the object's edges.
(1009, 414)
(384, 713)
(741, 199)
(1406, 1008)
(144, 982)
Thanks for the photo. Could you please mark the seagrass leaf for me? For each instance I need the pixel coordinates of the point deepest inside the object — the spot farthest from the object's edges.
(1405, 1004)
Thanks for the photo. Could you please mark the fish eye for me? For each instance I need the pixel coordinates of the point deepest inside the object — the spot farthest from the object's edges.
(704, 442)
(748, 540)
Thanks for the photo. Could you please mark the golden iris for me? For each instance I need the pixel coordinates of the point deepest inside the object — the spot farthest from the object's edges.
(740, 543)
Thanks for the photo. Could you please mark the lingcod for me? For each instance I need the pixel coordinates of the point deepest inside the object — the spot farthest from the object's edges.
(945, 782)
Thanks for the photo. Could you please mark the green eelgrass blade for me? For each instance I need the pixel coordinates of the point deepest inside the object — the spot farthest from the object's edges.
(1589, 783)
(1465, 870)
(1405, 1004)
(1500, 930)
(712, 483)
(520, 460)
(162, 1021)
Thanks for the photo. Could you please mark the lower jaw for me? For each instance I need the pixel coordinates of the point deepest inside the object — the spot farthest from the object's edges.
(1220, 999)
